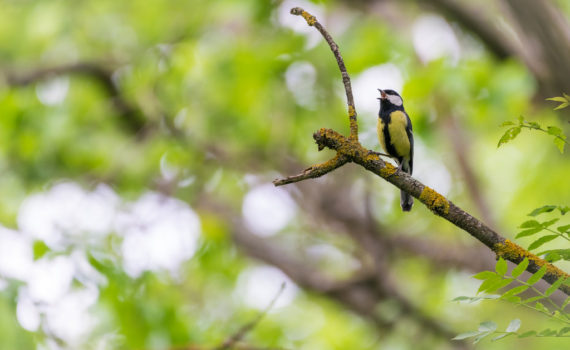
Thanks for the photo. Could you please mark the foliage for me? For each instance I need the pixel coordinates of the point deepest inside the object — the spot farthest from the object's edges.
(498, 280)
(564, 101)
(511, 133)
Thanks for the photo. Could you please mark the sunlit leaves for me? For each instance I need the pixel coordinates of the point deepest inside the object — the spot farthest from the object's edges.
(492, 281)
(543, 209)
(537, 276)
(534, 226)
(515, 129)
(520, 268)
(509, 135)
(564, 101)
(489, 327)
(501, 266)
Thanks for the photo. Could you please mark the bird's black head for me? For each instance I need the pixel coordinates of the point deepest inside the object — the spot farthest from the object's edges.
(390, 99)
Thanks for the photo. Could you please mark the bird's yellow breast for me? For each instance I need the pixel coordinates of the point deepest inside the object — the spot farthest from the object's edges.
(398, 136)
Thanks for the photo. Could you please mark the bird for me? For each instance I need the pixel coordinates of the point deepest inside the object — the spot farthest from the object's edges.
(396, 136)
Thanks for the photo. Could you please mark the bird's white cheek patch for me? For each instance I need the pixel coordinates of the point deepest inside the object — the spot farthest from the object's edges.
(395, 100)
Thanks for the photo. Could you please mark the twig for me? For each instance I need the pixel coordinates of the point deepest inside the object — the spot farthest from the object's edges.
(312, 21)
(249, 326)
(314, 171)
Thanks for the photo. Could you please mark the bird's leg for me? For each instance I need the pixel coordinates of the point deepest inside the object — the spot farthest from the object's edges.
(400, 166)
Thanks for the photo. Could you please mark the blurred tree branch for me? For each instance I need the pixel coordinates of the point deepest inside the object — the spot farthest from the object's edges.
(353, 151)
(131, 116)
(361, 293)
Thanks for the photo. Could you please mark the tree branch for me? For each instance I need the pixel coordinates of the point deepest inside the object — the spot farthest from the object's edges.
(236, 337)
(312, 21)
(132, 117)
(314, 171)
(353, 151)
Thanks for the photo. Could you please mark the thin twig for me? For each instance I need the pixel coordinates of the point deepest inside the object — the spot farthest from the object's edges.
(312, 21)
(250, 325)
(314, 171)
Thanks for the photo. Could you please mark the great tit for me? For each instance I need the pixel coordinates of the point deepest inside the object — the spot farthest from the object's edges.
(396, 137)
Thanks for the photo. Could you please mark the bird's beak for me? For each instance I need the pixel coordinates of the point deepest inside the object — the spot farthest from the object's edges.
(382, 95)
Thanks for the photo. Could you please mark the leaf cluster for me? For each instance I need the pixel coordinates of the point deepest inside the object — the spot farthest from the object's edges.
(493, 281)
(564, 101)
(559, 138)
(533, 226)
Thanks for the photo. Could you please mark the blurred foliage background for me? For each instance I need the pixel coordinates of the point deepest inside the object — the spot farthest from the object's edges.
(139, 139)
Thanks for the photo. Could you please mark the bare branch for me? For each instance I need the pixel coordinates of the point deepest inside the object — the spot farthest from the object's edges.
(312, 21)
(360, 294)
(481, 25)
(132, 117)
(461, 150)
(314, 171)
(231, 341)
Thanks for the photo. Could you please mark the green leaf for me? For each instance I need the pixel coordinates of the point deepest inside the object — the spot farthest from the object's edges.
(480, 337)
(527, 334)
(513, 326)
(560, 144)
(540, 307)
(520, 268)
(555, 286)
(483, 275)
(554, 130)
(549, 223)
(543, 209)
(516, 290)
(509, 135)
(564, 105)
(557, 253)
(466, 335)
(563, 229)
(501, 266)
(489, 282)
(521, 119)
(461, 298)
(529, 232)
(563, 331)
(537, 276)
(541, 241)
(501, 336)
(530, 300)
(565, 303)
(547, 333)
(511, 298)
(564, 210)
(498, 285)
(557, 99)
(487, 326)
(530, 224)
(552, 257)
(567, 96)
(507, 123)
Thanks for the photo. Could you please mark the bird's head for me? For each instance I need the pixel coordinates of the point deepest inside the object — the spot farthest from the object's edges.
(390, 97)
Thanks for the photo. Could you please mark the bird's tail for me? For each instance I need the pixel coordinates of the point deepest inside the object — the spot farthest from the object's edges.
(406, 200)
